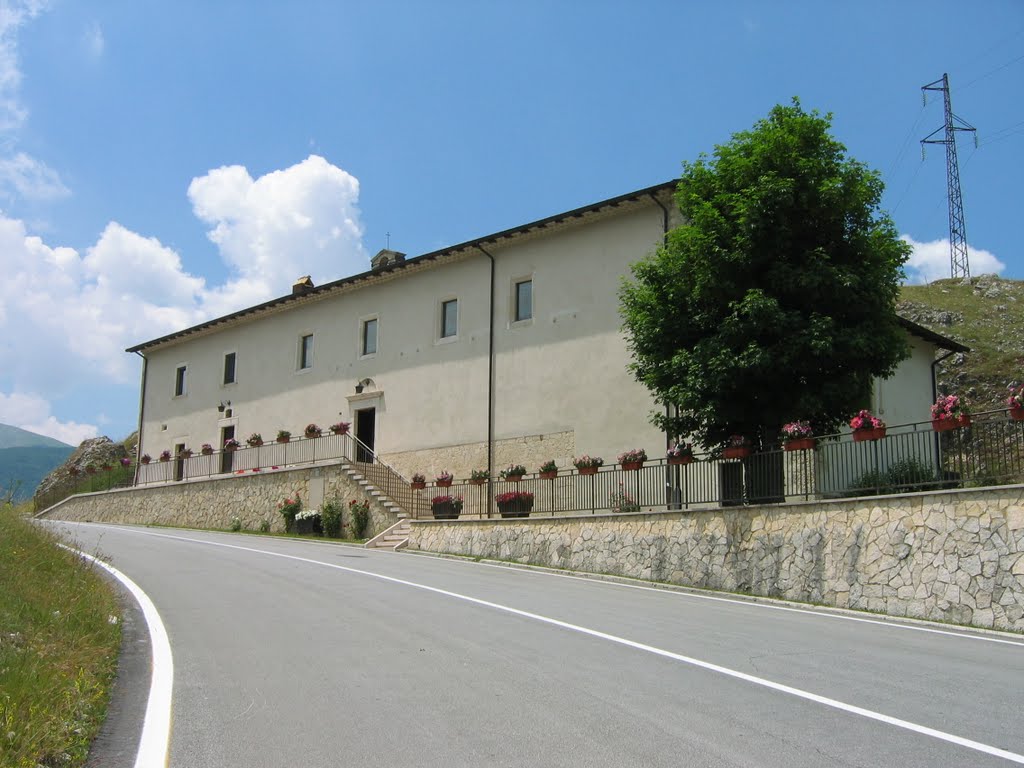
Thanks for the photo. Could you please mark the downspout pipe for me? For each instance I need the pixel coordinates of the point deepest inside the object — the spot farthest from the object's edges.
(490, 384)
(142, 409)
(669, 488)
(935, 384)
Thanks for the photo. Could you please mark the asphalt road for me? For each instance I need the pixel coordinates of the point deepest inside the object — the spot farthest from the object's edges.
(290, 653)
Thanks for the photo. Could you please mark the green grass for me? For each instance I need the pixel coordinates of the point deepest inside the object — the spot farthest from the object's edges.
(59, 639)
(989, 325)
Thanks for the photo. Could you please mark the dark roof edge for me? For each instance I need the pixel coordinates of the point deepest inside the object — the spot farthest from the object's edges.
(935, 338)
(505, 233)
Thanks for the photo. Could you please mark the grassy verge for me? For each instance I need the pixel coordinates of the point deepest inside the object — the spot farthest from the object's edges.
(59, 640)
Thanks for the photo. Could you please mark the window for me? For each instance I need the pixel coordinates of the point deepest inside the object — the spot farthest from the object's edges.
(179, 381)
(449, 318)
(229, 368)
(523, 300)
(305, 351)
(368, 343)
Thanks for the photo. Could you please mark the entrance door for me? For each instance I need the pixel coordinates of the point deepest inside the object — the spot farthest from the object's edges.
(366, 426)
(226, 457)
(179, 461)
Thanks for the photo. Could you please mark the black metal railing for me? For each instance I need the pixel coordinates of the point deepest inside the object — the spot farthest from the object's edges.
(911, 457)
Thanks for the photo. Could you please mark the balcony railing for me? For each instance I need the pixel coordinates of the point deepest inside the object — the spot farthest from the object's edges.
(911, 457)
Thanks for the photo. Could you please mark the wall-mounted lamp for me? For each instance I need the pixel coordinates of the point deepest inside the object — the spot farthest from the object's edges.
(223, 405)
(361, 384)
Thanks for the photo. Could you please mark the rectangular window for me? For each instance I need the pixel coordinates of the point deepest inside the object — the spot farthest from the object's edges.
(524, 300)
(229, 368)
(369, 340)
(449, 318)
(179, 381)
(306, 352)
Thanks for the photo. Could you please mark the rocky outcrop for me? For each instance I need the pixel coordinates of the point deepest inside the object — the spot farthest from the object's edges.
(94, 452)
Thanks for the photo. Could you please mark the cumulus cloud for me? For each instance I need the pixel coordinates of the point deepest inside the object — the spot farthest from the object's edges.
(303, 220)
(83, 309)
(32, 413)
(24, 176)
(930, 261)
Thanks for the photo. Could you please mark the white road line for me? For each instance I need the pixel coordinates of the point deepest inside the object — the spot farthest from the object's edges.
(154, 746)
(760, 681)
(823, 613)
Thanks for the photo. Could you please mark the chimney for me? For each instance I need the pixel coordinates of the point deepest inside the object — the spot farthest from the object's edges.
(303, 285)
(386, 258)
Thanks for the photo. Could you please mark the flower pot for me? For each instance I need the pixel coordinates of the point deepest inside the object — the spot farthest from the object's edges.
(443, 483)
(549, 475)
(945, 425)
(1017, 413)
(283, 439)
(478, 481)
(340, 431)
(800, 444)
(588, 470)
(207, 451)
(446, 511)
(255, 443)
(513, 478)
(875, 433)
(145, 460)
(230, 448)
(312, 435)
(678, 461)
(306, 526)
(165, 458)
(736, 452)
(631, 466)
(418, 486)
(517, 508)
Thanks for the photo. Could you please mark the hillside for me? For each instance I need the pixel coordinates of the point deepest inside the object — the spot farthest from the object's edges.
(25, 464)
(13, 437)
(985, 313)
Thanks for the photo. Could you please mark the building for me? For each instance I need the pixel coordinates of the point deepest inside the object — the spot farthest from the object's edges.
(507, 348)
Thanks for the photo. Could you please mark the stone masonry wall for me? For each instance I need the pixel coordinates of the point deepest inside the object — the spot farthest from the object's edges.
(954, 556)
(211, 503)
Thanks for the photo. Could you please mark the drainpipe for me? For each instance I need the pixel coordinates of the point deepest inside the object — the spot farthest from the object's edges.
(490, 385)
(935, 385)
(142, 408)
(668, 437)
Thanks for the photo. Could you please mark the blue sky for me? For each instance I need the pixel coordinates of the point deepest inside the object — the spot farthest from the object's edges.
(162, 163)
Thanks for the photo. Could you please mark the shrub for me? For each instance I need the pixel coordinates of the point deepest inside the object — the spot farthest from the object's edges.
(330, 518)
(479, 474)
(289, 508)
(236, 524)
(620, 501)
(360, 512)
(264, 526)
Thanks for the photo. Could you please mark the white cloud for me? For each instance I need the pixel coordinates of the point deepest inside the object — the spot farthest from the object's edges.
(29, 178)
(32, 413)
(66, 318)
(931, 261)
(92, 39)
(303, 220)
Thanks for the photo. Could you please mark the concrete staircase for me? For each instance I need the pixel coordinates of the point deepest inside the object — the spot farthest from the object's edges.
(394, 538)
(397, 536)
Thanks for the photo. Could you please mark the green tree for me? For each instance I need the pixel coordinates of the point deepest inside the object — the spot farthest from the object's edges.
(775, 299)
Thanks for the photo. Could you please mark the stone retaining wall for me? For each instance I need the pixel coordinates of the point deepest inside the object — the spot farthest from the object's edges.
(211, 503)
(954, 556)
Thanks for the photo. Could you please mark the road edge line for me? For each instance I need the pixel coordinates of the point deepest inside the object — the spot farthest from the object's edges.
(155, 743)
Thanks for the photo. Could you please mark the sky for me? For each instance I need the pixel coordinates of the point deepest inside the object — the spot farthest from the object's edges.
(162, 163)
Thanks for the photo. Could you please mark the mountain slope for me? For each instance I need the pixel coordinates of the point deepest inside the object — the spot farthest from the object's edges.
(986, 313)
(13, 437)
(21, 469)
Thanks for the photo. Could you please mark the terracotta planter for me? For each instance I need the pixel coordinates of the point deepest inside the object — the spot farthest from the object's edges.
(339, 431)
(736, 452)
(145, 460)
(862, 435)
(207, 451)
(230, 448)
(283, 439)
(1017, 414)
(945, 425)
(313, 435)
(800, 444)
(549, 475)
(588, 470)
(513, 478)
(631, 466)
(443, 483)
(255, 443)
(418, 486)
(478, 481)
(165, 458)
(678, 461)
